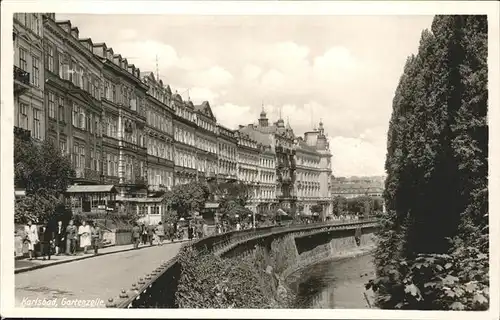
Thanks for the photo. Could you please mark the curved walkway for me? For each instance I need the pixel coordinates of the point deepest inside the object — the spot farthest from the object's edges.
(89, 282)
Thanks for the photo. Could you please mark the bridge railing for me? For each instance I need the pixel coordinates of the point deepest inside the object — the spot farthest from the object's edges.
(157, 289)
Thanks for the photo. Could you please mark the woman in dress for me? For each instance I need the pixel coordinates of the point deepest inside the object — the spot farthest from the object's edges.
(160, 232)
(84, 233)
(31, 237)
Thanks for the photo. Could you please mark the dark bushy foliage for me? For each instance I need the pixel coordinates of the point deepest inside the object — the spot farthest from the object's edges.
(208, 281)
(45, 174)
(433, 244)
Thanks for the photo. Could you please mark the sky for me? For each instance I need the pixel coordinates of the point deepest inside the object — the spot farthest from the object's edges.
(342, 70)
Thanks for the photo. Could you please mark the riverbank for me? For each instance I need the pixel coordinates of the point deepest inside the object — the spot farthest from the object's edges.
(335, 282)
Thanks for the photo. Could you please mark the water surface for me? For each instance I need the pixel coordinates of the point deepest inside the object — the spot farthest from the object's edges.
(334, 284)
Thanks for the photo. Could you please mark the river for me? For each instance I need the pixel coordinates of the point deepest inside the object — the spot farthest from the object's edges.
(334, 284)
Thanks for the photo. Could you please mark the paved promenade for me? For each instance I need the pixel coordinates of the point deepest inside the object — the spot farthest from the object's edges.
(94, 278)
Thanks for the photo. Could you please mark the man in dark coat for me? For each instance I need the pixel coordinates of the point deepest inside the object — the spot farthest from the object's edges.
(144, 233)
(60, 236)
(151, 233)
(46, 241)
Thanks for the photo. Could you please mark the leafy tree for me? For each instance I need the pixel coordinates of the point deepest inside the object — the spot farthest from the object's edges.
(41, 166)
(233, 197)
(45, 173)
(170, 216)
(339, 205)
(187, 198)
(437, 165)
(317, 208)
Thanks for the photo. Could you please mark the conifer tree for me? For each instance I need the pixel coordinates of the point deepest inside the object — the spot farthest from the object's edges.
(437, 165)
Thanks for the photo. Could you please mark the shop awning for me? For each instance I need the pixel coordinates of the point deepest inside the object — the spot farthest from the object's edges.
(211, 205)
(143, 200)
(282, 212)
(91, 189)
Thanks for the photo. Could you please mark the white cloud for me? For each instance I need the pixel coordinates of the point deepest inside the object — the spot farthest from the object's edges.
(198, 94)
(127, 34)
(273, 79)
(336, 65)
(251, 72)
(341, 69)
(143, 54)
(355, 156)
(212, 77)
(231, 115)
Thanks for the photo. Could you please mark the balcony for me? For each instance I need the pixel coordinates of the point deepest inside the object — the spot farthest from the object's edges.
(22, 133)
(141, 181)
(21, 81)
(88, 174)
(111, 180)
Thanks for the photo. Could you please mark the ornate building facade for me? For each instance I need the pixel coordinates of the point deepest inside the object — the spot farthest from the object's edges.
(185, 145)
(206, 141)
(29, 113)
(227, 154)
(315, 163)
(73, 98)
(127, 130)
(248, 152)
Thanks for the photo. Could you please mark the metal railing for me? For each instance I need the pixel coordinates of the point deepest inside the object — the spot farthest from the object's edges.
(21, 76)
(157, 289)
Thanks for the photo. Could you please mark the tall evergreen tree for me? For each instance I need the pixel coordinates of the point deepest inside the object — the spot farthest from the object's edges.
(437, 165)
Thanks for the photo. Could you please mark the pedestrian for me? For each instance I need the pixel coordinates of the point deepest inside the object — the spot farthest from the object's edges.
(199, 232)
(96, 236)
(136, 235)
(144, 233)
(190, 231)
(31, 238)
(85, 238)
(60, 234)
(204, 229)
(151, 233)
(71, 238)
(46, 240)
(160, 231)
(171, 232)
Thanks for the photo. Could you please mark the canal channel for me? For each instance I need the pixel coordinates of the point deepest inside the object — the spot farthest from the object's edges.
(334, 284)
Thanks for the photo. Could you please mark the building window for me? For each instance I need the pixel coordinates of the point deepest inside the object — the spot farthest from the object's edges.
(82, 119)
(92, 159)
(72, 71)
(52, 108)
(23, 119)
(61, 109)
(37, 132)
(23, 64)
(82, 157)
(61, 65)
(50, 58)
(36, 24)
(78, 74)
(62, 146)
(76, 159)
(75, 115)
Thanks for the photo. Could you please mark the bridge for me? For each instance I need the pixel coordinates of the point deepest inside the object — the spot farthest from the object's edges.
(148, 277)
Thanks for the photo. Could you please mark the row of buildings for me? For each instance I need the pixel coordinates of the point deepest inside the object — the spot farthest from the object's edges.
(129, 133)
